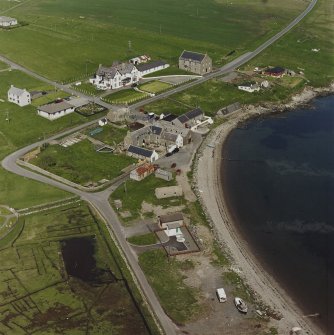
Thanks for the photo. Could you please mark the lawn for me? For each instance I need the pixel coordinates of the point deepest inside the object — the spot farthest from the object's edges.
(111, 135)
(146, 239)
(87, 88)
(127, 96)
(169, 71)
(50, 97)
(155, 86)
(71, 39)
(39, 295)
(3, 66)
(215, 94)
(134, 193)
(177, 299)
(81, 163)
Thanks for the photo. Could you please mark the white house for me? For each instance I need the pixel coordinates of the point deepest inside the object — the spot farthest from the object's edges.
(55, 110)
(123, 74)
(6, 21)
(171, 223)
(116, 76)
(19, 96)
(141, 153)
(249, 88)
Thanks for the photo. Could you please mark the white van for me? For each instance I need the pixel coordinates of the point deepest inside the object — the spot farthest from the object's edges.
(221, 294)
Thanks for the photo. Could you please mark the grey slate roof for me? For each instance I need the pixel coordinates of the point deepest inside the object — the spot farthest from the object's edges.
(170, 117)
(151, 65)
(183, 118)
(16, 91)
(194, 113)
(55, 107)
(110, 72)
(156, 130)
(140, 151)
(169, 136)
(194, 56)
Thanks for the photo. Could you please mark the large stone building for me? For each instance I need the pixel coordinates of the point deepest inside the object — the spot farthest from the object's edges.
(195, 62)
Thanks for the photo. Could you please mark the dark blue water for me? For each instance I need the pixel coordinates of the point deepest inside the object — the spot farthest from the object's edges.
(278, 173)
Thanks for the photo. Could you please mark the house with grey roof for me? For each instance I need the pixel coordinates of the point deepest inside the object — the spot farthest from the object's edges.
(116, 76)
(19, 96)
(142, 153)
(189, 118)
(55, 110)
(6, 21)
(195, 62)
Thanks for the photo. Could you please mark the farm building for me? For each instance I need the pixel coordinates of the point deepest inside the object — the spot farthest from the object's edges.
(171, 223)
(168, 138)
(6, 21)
(19, 96)
(143, 136)
(168, 192)
(141, 153)
(277, 72)
(55, 110)
(230, 108)
(142, 172)
(195, 62)
(163, 174)
(249, 88)
(140, 59)
(151, 67)
(189, 119)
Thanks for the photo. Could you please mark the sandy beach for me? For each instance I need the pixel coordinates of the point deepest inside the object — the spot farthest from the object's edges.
(210, 191)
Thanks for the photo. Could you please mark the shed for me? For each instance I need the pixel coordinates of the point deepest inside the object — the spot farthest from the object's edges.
(163, 174)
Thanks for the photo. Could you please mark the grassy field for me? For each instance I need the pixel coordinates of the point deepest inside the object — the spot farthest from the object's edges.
(169, 71)
(71, 39)
(155, 86)
(146, 239)
(87, 88)
(177, 299)
(295, 50)
(215, 94)
(81, 163)
(38, 295)
(3, 66)
(125, 97)
(111, 135)
(50, 97)
(136, 192)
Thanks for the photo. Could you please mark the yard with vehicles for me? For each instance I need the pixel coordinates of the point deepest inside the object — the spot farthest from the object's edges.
(155, 86)
(73, 39)
(46, 288)
(123, 97)
(81, 163)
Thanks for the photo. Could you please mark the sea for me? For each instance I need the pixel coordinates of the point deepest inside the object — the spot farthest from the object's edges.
(278, 178)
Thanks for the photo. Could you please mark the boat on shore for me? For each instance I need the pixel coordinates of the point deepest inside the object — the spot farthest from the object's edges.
(240, 305)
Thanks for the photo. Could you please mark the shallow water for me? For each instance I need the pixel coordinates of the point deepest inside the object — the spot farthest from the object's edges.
(278, 175)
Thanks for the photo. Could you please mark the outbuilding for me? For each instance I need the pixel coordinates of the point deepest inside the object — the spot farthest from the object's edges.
(141, 153)
(55, 110)
(171, 223)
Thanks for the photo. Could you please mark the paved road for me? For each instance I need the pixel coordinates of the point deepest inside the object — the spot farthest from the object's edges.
(100, 200)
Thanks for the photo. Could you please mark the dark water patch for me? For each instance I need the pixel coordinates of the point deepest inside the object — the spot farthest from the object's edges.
(78, 255)
(284, 203)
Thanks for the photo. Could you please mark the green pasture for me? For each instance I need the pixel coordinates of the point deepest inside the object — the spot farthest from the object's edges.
(125, 97)
(110, 135)
(87, 88)
(38, 295)
(179, 301)
(155, 86)
(133, 193)
(81, 163)
(70, 39)
(3, 66)
(215, 94)
(50, 97)
(294, 51)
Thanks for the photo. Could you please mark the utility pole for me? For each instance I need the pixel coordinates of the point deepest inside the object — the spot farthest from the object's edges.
(7, 116)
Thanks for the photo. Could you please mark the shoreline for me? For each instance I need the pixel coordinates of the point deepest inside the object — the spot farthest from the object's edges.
(210, 191)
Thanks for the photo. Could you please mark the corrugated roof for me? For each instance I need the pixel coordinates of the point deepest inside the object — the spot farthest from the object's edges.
(195, 56)
(149, 66)
(55, 107)
(171, 217)
(140, 151)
